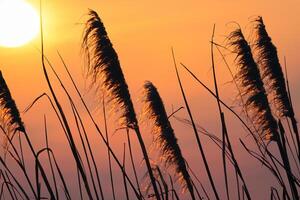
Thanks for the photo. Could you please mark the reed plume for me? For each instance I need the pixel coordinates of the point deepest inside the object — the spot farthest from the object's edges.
(248, 76)
(271, 70)
(273, 76)
(256, 99)
(105, 69)
(164, 137)
(10, 116)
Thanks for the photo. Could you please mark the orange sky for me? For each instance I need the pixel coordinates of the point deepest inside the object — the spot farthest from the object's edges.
(143, 33)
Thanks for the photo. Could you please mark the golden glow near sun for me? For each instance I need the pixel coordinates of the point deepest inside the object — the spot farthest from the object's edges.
(19, 23)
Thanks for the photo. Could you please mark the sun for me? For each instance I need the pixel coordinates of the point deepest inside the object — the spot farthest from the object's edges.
(19, 23)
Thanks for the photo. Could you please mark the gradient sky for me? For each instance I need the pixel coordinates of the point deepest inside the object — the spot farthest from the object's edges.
(143, 33)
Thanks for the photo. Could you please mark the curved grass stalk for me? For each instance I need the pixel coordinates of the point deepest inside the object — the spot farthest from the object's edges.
(225, 136)
(196, 132)
(63, 117)
(108, 153)
(97, 127)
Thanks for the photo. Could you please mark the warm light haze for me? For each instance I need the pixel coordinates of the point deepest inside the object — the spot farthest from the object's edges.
(41, 102)
(19, 23)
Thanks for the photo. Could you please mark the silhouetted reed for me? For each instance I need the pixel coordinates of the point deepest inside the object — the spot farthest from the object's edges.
(254, 80)
(12, 122)
(105, 69)
(256, 103)
(271, 70)
(108, 153)
(95, 124)
(164, 137)
(202, 153)
(106, 72)
(253, 91)
(10, 116)
(272, 75)
(225, 136)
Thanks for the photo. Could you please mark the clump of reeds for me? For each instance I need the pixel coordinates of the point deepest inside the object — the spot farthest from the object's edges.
(106, 72)
(248, 76)
(11, 121)
(271, 70)
(105, 69)
(10, 116)
(256, 99)
(163, 134)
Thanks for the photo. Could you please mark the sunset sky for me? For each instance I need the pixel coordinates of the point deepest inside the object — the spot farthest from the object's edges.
(143, 33)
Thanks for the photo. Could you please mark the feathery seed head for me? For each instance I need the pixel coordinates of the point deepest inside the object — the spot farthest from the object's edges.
(105, 69)
(163, 133)
(10, 119)
(271, 70)
(252, 87)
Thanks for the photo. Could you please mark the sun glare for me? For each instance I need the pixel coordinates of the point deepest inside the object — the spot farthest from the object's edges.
(19, 23)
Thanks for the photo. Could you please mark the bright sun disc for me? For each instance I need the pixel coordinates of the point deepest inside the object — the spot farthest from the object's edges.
(19, 23)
